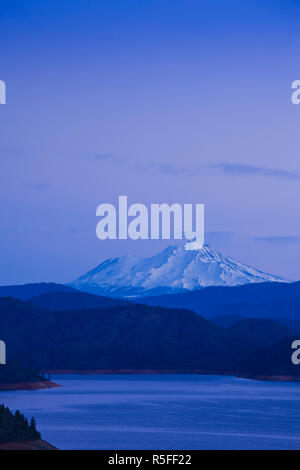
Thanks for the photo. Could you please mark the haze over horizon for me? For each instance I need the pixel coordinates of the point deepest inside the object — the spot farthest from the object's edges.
(162, 101)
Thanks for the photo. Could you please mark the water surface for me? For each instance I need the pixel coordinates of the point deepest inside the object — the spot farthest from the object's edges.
(163, 412)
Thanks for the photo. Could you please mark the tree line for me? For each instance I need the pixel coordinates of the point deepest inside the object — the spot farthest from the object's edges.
(14, 427)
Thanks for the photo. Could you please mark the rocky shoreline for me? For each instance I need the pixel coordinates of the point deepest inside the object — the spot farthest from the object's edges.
(28, 385)
(275, 378)
(27, 445)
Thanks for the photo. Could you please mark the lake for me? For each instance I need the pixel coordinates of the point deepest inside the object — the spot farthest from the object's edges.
(163, 412)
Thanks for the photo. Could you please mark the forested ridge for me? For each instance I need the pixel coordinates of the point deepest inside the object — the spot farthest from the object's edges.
(14, 427)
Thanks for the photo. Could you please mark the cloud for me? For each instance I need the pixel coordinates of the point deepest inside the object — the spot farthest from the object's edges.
(41, 187)
(100, 157)
(220, 235)
(104, 156)
(251, 170)
(164, 168)
(168, 169)
(288, 239)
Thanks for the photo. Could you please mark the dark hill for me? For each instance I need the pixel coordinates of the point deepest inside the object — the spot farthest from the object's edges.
(140, 337)
(262, 331)
(26, 291)
(61, 300)
(121, 337)
(226, 320)
(265, 300)
(289, 309)
(274, 360)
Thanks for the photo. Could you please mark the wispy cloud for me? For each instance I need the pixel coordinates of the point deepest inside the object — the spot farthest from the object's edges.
(288, 239)
(168, 169)
(251, 170)
(164, 168)
(100, 157)
(41, 187)
(220, 235)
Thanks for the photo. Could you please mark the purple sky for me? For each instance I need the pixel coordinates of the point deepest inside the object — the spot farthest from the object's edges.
(163, 101)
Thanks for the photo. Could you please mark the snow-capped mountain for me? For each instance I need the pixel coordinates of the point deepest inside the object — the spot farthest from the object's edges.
(176, 269)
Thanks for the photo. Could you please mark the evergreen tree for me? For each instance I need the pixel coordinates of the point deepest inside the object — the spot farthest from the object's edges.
(15, 427)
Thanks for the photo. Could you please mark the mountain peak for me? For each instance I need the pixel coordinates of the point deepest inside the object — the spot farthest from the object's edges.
(193, 245)
(177, 268)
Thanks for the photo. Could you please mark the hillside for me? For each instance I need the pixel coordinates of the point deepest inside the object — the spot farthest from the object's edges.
(265, 300)
(263, 331)
(139, 337)
(74, 300)
(130, 336)
(26, 291)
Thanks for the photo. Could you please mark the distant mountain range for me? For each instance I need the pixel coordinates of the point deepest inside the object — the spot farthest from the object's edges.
(26, 291)
(137, 338)
(175, 269)
(155, 315)
(260, 300)
(73, 300)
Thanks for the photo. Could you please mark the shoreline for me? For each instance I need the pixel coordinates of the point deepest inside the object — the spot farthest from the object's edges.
(47, 384)
(43, 384)
(265, 378)
(273, 378)
(39, 444)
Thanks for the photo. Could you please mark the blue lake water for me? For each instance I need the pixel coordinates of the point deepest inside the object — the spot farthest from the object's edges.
(163, 412)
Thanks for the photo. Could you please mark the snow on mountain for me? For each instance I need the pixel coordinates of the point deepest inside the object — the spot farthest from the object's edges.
(175, 269)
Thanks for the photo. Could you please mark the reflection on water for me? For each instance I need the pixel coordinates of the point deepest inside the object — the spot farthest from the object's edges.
(163, 412)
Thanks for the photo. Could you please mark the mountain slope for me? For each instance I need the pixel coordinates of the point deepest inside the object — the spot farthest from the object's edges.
(175, 269)
(262, 331)
(26, 291)
(140, 338)
(74, 300)
(123, 337)
(259, 300)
